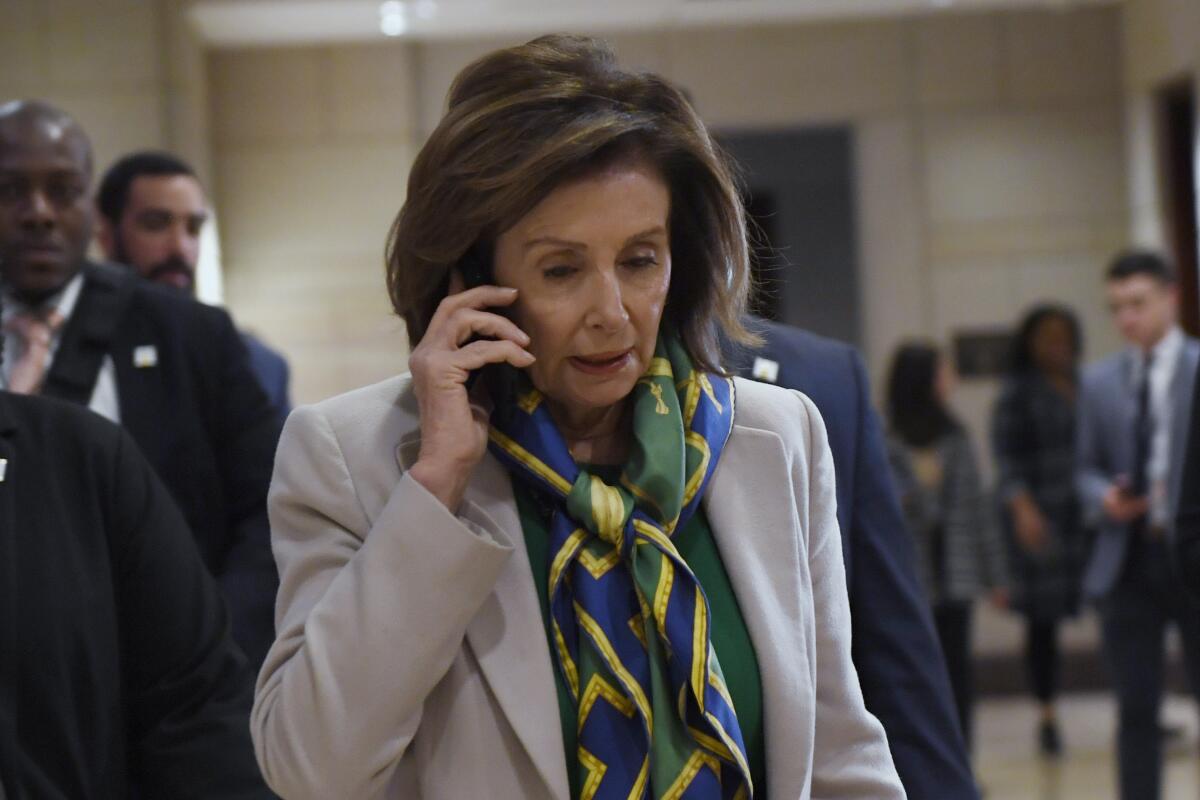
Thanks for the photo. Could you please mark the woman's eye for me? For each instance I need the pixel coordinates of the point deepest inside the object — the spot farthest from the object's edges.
(560, 271)
(641, 262)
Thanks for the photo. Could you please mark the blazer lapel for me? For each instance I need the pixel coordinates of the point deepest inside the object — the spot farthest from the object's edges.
(1124, 403)
(752, 516)
(1182, 386)
(507, 635)
(88, 335)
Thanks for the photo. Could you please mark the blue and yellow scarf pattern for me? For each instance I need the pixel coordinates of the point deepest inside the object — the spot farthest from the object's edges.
(629, 619)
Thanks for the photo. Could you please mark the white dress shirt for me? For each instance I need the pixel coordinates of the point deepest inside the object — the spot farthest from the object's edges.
(104, 400)
(1162, 374)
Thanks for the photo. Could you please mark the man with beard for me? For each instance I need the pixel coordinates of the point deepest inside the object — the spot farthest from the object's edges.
(152, 211)
(171, 371)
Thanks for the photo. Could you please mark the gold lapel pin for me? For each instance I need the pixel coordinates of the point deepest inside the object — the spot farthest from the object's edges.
(145, 356)
(765, 370)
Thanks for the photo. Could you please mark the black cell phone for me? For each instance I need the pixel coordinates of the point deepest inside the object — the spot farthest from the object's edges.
(476, 270)
(476, 267)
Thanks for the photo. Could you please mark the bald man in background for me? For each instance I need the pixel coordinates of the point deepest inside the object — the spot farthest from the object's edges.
(173, 372)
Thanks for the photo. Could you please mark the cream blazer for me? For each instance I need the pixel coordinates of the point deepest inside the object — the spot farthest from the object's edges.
(411, 659)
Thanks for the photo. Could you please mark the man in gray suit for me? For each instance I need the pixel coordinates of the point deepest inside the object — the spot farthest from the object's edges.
(1133, 418)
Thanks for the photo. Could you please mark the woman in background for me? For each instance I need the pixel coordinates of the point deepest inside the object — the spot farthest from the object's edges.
(937, 476)
(1033, 439)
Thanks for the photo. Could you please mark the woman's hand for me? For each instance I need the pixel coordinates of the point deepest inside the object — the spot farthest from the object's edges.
(1121, 505)
(454, 425)
(1029, 524)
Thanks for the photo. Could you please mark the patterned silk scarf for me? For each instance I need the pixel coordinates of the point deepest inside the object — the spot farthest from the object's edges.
(629, 619)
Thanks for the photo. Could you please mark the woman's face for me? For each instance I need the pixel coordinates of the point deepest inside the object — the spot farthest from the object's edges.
(945, 379)
(1053, 345)
(592, 265)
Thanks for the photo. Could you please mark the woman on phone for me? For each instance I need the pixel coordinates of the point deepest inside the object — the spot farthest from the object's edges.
(565, 556)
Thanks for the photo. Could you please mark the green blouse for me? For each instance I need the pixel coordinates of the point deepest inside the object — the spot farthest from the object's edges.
(730, 639)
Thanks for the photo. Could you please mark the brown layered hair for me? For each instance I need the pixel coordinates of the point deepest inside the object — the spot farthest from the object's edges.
(522, 121)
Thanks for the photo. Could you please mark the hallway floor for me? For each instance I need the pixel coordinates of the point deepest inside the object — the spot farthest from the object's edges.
(1009, 767)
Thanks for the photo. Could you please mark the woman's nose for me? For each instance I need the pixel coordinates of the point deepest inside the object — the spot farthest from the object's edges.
(607, 305)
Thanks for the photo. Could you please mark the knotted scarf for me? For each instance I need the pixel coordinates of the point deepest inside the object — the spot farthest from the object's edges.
(629, 619)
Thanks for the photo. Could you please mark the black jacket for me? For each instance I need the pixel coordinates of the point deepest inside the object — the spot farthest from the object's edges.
(190, 401)
(116, 664)
(1187, 521)
(895, 650)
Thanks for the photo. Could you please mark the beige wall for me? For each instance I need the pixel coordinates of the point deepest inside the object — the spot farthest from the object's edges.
(311, 149)
(131, 71)
(990, 154)
(990, 169)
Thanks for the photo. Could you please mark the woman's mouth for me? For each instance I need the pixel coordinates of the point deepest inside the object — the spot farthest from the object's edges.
(602, 363)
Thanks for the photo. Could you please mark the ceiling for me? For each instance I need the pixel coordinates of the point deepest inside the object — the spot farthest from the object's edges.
(245, 23)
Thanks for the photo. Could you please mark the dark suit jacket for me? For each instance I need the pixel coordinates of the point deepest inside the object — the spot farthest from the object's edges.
(116, 664)
(895, 651)
(271, 369)
(199, 416)
(1187, 523)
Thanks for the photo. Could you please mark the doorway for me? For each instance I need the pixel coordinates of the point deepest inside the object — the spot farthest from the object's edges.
(1177, 104)
(799, 192)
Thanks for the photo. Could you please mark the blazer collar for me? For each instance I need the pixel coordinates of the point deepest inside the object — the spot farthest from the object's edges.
(750, 509)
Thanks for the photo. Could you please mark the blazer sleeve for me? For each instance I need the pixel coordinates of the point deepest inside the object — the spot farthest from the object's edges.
(900, 664)
(246, 433)
(1092, 471)
(850, 753)
(189, 687)
(1187, 525)
(371, 614)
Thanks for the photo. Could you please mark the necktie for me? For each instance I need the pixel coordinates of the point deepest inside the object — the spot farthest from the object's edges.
(1143, 431)
(36, 332)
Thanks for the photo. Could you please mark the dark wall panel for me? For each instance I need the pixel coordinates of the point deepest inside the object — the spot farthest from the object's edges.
(802, 181)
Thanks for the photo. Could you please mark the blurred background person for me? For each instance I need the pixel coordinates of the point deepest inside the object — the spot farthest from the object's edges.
(1187, 526)
(1033, 442)
(152, 211)
(119, 678)
(1134, 409)
(895, 649)
(960, 555)
(171, 371)
(576, 610)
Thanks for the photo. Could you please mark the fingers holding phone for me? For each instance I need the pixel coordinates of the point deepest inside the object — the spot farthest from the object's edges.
(1121, 504)
(463, 336)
